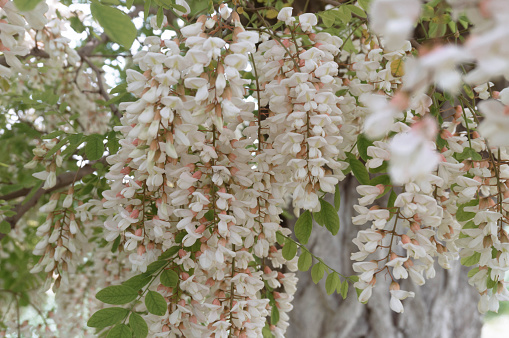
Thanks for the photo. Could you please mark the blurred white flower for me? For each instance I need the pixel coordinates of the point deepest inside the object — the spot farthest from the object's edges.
(495, 125)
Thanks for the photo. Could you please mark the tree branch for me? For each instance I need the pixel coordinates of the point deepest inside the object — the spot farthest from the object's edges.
(33, 52)
(63, 180)
(102, 91)
(15, 194)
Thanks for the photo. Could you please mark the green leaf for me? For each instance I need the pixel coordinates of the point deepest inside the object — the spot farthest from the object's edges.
(120, 331)
(490, 282)
(472, 272)
(305, 261)
(9, 213)
(117, 99)
(358, 169)
(364, 4)
(468, 90)
(77, 24)
(382, 179)
(155, 303)
(26, 5)
(277, 25)
(179, 8)
(146, 9)
(337, 198)
(280, 238)
(469, 153)
(5, 227)
(289, 250)
(129, 3)
(28, 130)
(117, 295)
(113, 144)
(303, 227)
(209, 215)
(94, 149)
(330, 216)
(274, 315)
(138, 325)
(470, 225)
(392, 200)
(74, 143)
(56, 148)
(471, 260)
(107, 317)
(160, 17)
(75, 138)
(436, 29)
(318, 217)
(137, 282)
(353, 278)
(180, 236)
(53, 134)
(169, 278)
(115, 244)
(121, 88)
(462, 215)
(357, 11)
(381, 169)
(266, 333)
(317, 272)
(343, 289)
(331, 283)
(344, 14)
(362, 146)
(154, 266)
(327, 18)
(170, 252)
(116, 24)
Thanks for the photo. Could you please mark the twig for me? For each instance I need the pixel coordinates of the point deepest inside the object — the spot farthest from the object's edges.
(98, 72)
(63, 180)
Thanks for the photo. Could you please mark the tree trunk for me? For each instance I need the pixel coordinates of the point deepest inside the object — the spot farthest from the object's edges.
(446, 306)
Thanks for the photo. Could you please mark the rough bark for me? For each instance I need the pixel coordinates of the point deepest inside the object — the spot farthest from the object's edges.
(445, 307)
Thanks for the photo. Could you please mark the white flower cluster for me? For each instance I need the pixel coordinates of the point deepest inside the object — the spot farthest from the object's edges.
(61, 240)
(13, 27)
(302, 120)
(49, 175)
(208, 158)
(184, 177)
(452, 203)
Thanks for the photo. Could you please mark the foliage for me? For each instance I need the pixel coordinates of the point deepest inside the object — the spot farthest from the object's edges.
(151, 154)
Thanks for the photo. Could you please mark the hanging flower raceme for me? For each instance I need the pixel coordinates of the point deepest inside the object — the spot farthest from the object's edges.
(303, 118)
(183, 179)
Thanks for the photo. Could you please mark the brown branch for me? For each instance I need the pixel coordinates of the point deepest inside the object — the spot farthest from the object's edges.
(33, 52)
(63, 180)
(98, 72)
(86, 51)
(89, 47)
(15, 194)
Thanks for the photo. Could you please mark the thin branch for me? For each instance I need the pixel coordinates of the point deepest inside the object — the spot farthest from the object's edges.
(33, 52)
(39, 312)
(98, 72)
(15, 194)
(63, 180)
(18, 315)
